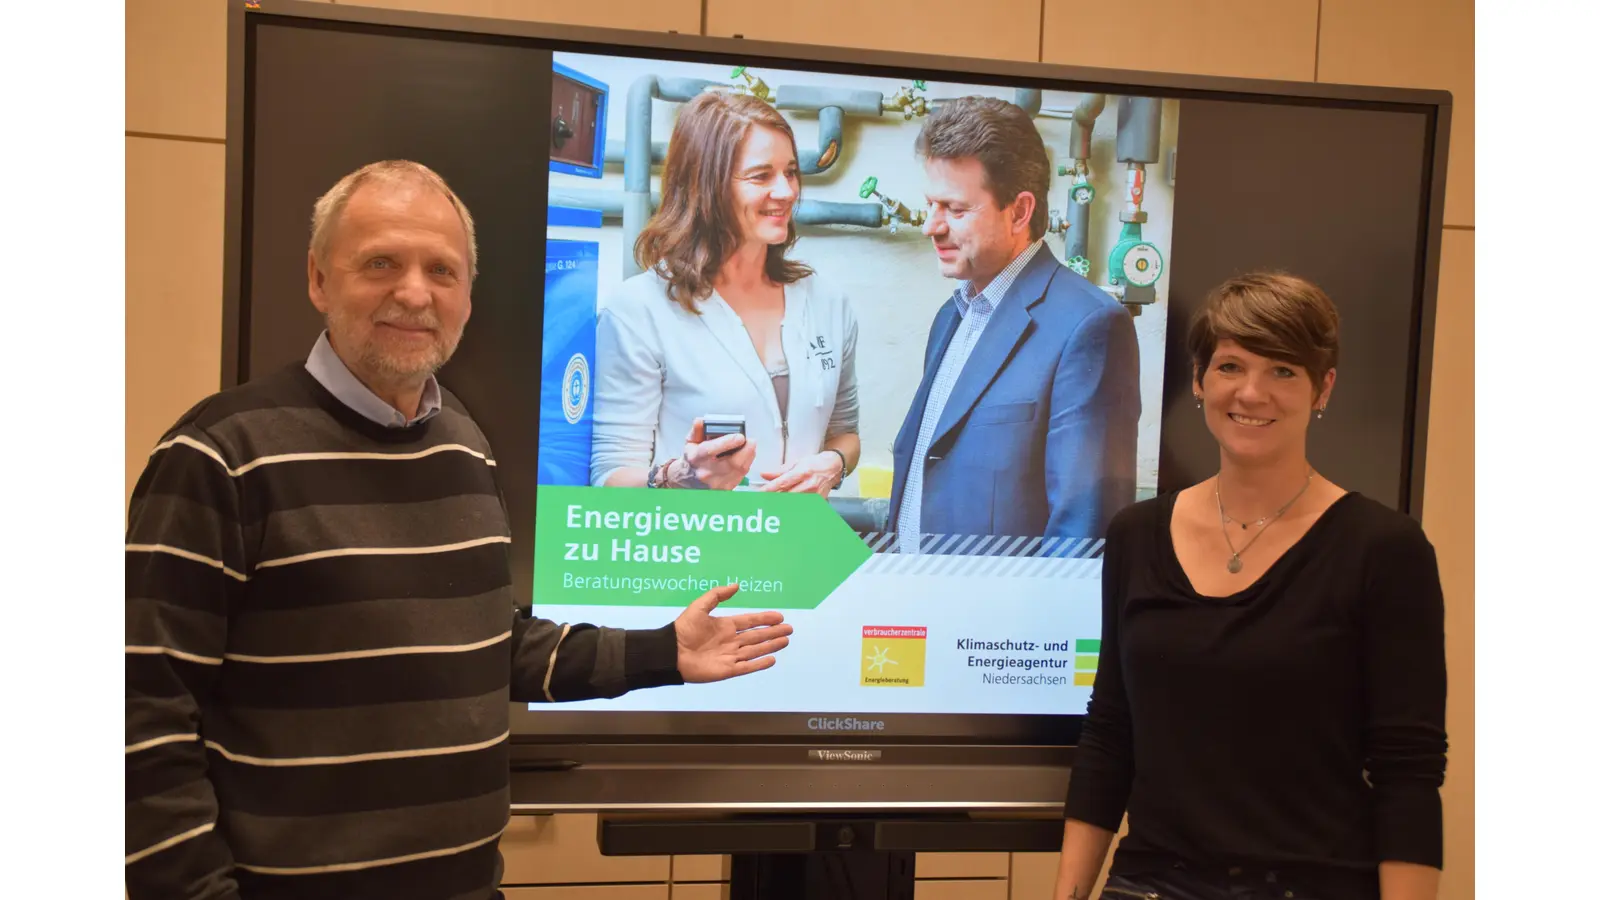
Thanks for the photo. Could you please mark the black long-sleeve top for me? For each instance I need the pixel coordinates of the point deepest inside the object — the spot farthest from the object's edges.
(1298, 724)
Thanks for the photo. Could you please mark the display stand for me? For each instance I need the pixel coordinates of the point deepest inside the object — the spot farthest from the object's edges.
(823, 856)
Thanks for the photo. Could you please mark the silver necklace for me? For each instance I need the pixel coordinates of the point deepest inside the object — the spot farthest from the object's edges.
(1234, 562)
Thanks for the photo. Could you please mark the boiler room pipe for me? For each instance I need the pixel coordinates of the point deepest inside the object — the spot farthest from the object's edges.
(1079, 214)
(1138, 130)
(1030, 99)
(610, 205)
(636, 205)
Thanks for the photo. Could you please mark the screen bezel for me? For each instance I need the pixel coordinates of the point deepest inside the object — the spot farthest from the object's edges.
(563, 727)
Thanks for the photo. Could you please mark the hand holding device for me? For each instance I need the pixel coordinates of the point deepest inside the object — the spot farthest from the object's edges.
(716, 648)
(719, 464)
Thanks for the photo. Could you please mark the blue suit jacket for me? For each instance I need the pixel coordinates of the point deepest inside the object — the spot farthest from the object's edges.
(1039, 435)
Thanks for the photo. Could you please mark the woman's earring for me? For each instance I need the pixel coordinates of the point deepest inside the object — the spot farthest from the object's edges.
(1319, 412)
(1198, 403)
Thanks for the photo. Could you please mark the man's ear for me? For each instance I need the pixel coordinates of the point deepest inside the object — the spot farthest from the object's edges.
(314, 280)
(1022, 211)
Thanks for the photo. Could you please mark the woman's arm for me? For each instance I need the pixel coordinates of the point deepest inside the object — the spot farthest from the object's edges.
(1403, 637)
(1083, 855)
(848, 445)
(1102, 769)
(1407, 881)
(627, 396)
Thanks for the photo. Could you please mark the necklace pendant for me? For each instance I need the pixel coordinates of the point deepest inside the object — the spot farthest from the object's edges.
(1235, 564)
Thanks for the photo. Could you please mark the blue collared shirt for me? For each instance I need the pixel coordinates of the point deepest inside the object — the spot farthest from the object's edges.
(326, 366)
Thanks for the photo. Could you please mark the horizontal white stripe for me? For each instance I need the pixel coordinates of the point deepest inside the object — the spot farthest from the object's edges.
(365, 654)
(285, 762)
(176, 654)
(158, 741)
(173, 841)
(550, 667)
(369, 864)
(382, 551)
(315, 457)
(186, 554)
(185, 440)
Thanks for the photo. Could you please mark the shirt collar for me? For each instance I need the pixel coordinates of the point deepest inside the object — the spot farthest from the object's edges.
(326, 366)
(1000, 285)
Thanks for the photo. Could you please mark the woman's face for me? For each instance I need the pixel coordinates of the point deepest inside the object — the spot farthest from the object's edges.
(766, 184)
(1258, 408)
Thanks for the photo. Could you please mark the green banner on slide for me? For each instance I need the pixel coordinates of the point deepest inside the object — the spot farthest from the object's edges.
(638, 547)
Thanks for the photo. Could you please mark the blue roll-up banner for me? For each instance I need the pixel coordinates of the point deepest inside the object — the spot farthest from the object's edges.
(566, 396)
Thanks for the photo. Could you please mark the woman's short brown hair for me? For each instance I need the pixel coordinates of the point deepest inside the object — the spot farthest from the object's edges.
(1271, 314)
(697, 229)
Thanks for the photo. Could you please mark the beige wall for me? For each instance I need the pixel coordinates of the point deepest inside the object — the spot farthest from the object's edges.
(175, 127)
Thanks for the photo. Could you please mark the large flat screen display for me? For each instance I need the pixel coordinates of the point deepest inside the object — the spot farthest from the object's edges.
(946, 590)
(955, 569)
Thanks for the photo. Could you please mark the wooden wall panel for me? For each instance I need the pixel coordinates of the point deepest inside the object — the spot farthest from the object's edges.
(993, 889)
(1242, 38)
(591, 892)
(174, 286)
(701, 868)
(1005, 29)
(1447, 516)
(1417, 43)
(562, 850)
(639, 15)
(175, 67)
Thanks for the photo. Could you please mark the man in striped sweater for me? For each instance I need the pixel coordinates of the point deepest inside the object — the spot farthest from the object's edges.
(322, 646)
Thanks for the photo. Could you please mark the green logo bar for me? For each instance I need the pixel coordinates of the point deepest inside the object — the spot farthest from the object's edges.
(1088, 645)
(638, 547)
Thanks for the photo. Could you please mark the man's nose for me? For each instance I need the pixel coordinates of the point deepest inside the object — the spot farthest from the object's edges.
(413, 290)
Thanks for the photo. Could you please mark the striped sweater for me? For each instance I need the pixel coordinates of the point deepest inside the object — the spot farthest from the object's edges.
(322, 649)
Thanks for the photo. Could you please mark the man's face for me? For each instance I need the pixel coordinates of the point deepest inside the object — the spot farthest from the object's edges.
(974, 237)
(394, 285)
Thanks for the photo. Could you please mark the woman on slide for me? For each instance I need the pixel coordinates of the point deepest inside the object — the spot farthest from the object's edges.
(1269, 707)
(721, 322)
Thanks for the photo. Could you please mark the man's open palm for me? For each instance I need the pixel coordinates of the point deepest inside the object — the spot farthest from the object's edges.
(715, 648)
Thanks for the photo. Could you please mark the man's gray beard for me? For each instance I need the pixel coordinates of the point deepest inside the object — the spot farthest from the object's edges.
(390, 368)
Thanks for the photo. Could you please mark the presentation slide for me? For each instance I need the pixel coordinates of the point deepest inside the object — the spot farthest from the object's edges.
(984, 439)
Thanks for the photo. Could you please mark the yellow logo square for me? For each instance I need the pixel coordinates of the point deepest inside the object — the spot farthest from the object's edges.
(893, 655)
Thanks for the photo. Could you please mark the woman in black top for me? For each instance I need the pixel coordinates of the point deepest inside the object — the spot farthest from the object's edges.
(1269, 708)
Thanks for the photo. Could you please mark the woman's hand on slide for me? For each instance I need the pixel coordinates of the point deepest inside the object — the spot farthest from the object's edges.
(703, 466)
(813, 475)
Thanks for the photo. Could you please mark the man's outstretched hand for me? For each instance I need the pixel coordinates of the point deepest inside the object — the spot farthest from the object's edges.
(716, 648)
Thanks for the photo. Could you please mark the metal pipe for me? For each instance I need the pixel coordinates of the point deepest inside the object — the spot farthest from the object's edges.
(1029, 99)
(637, 153)
(613, 204)
(1138, 130)
(830, 137)
(616, 151)
(608, 203)
(805, 98)
(1083, 117)
(828, 212)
